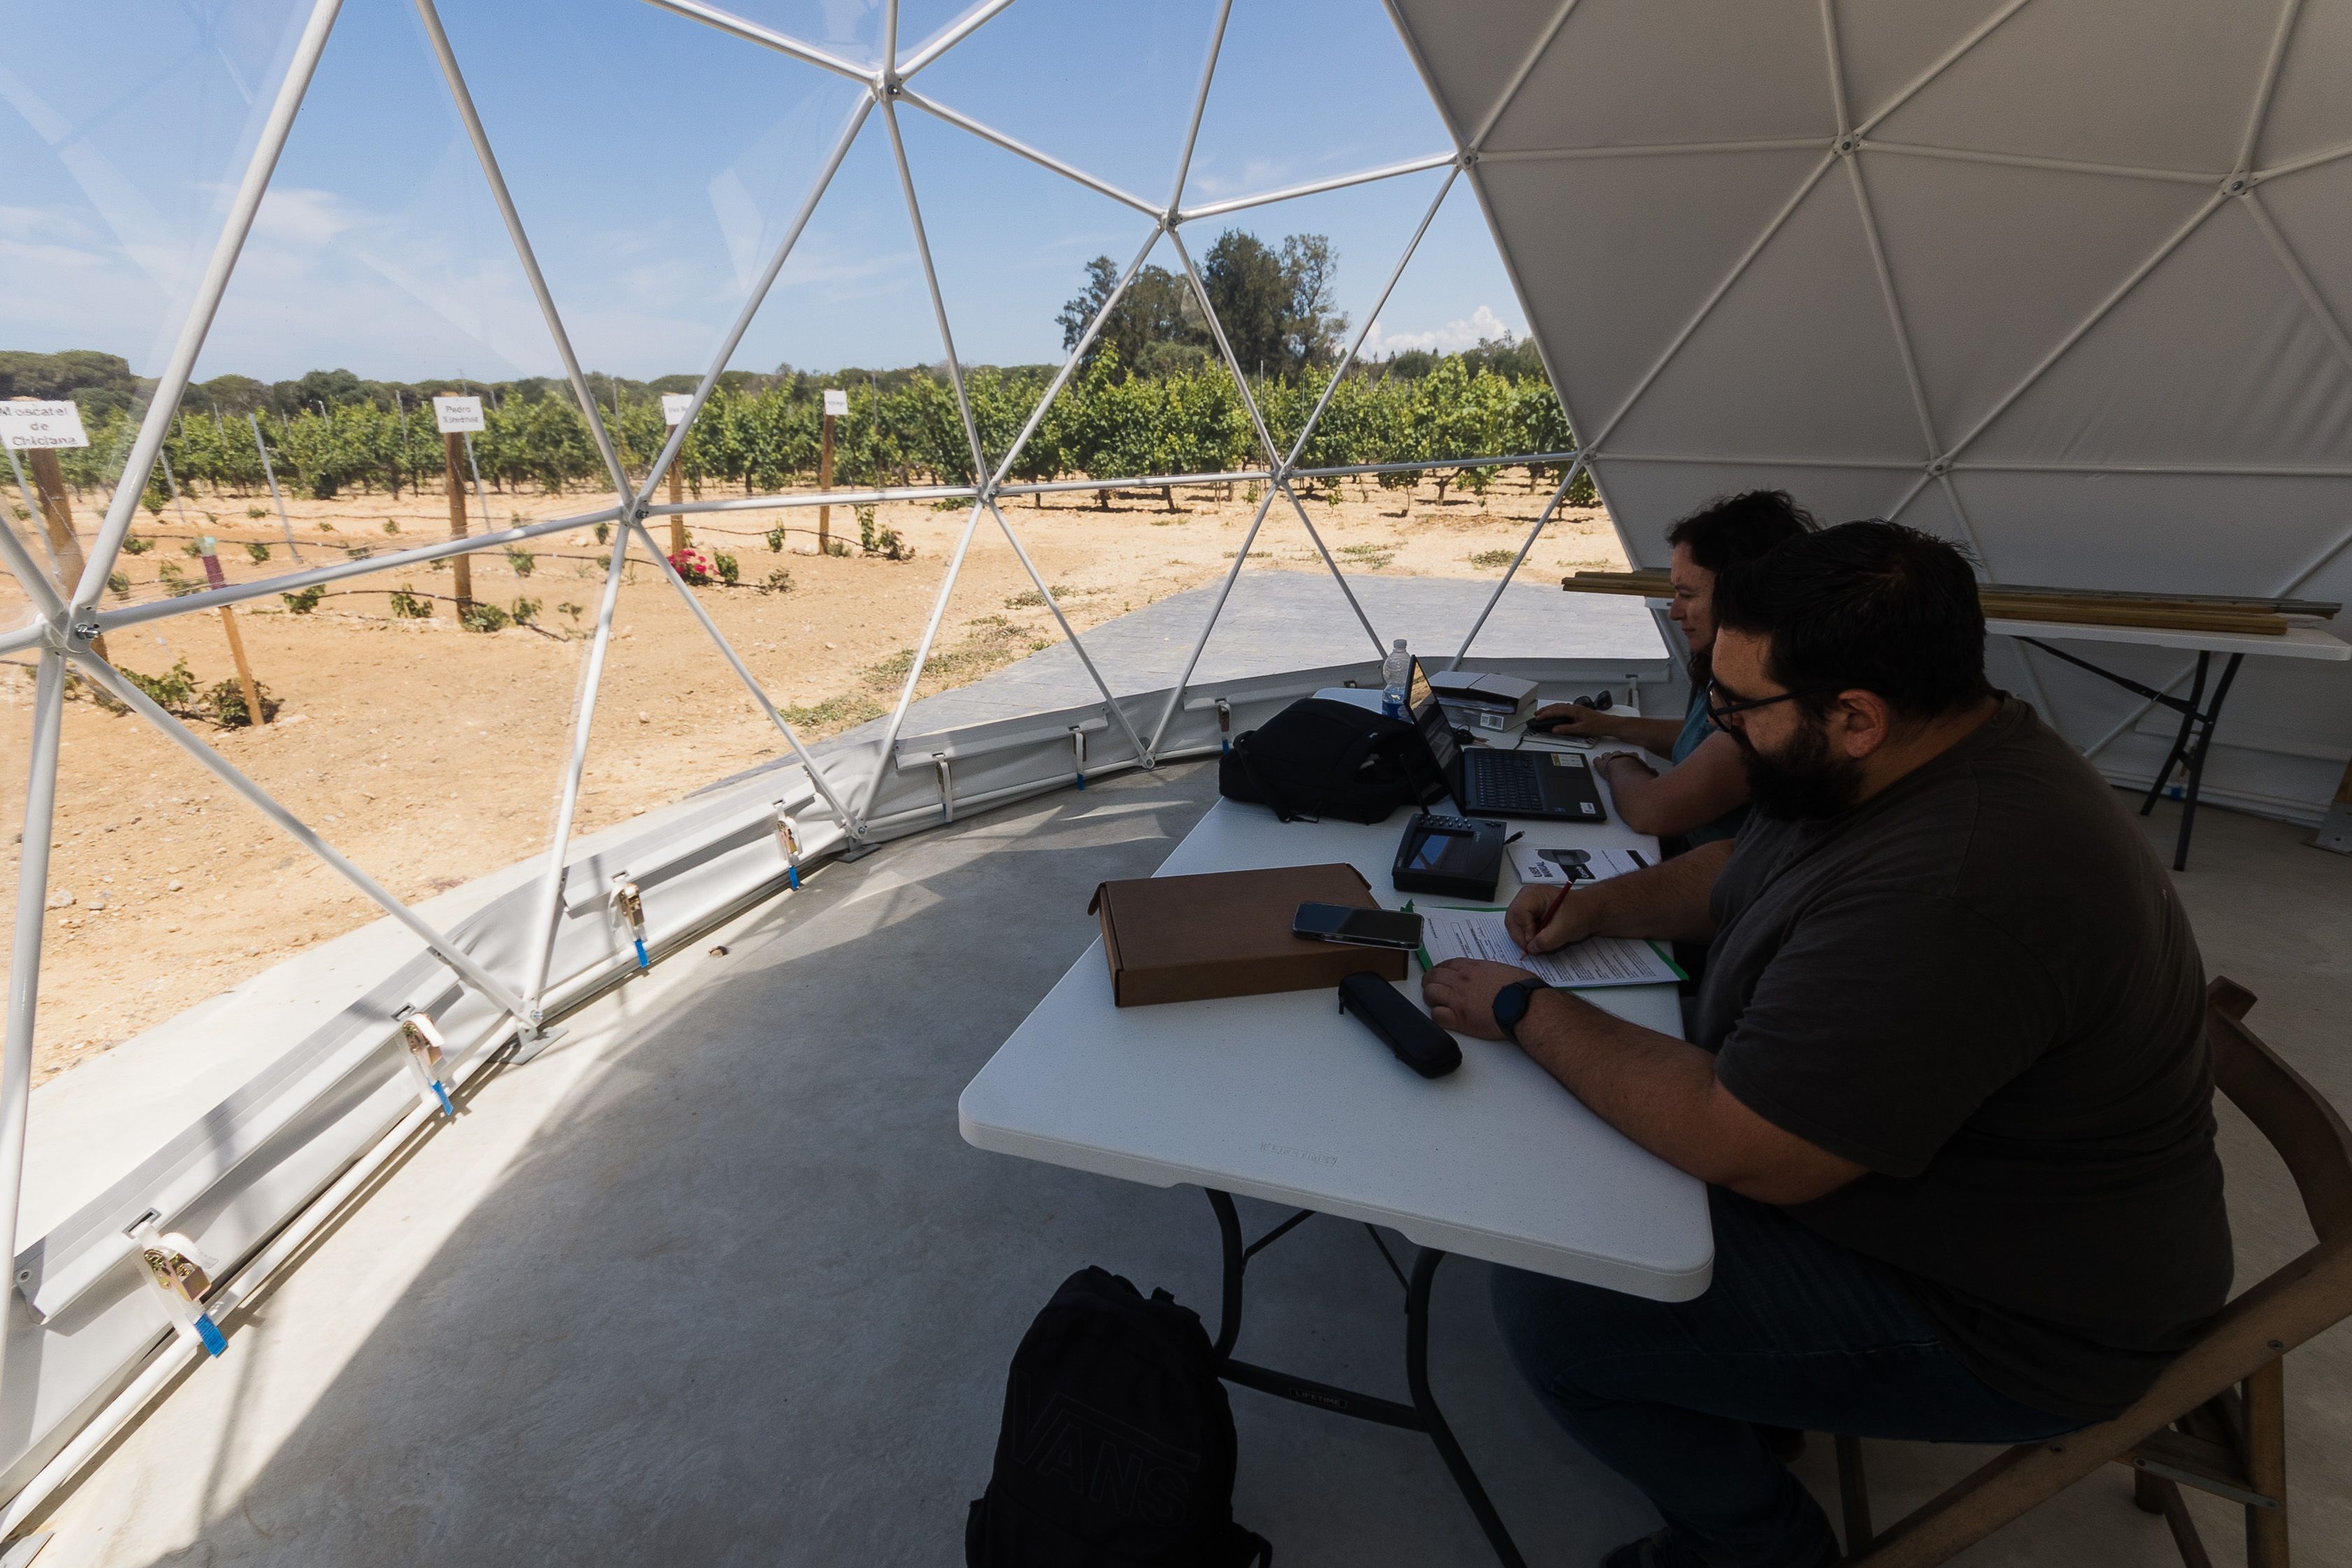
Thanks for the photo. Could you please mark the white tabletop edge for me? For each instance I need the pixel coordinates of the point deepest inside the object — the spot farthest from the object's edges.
(2298, 641)
(1651, 1282)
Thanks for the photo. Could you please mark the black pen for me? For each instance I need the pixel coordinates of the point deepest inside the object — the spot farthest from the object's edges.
(1515, 838)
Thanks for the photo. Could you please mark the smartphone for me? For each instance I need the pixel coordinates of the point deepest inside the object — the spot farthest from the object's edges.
(1363, 928)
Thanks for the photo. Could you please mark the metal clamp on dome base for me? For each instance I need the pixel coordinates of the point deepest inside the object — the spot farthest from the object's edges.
(789, 833)
(629, 910)
(428, 1054)
(179, 1276)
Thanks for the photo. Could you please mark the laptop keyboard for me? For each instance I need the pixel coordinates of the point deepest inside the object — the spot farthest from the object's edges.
(1501, 787)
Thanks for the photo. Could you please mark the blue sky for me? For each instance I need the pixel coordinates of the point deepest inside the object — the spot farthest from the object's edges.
(657, 163)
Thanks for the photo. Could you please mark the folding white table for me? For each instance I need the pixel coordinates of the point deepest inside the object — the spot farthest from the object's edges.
(2198, 715)
(1285, 1099)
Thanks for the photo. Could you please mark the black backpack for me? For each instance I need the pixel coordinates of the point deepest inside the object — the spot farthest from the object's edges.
(1118, 1444)
(1320, 758)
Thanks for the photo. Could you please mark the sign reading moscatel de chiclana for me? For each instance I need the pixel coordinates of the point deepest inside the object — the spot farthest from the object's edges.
(457, 414)
(33, 427)
(675, 404)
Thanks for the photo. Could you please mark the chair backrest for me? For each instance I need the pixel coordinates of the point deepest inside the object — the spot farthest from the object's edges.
(2281, 1102)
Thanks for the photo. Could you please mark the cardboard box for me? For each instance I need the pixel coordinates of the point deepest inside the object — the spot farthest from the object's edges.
(1483, 701)
(1181, 939)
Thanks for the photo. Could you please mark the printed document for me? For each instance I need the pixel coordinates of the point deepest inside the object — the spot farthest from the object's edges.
(1541, 865)
(1596, 961)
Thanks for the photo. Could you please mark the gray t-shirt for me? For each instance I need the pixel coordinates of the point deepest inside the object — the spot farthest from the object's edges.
(1980, 984)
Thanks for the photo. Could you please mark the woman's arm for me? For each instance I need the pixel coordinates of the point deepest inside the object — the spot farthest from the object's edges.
(1690, 794)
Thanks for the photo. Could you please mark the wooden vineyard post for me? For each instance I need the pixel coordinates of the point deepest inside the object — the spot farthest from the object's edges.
(677, 519)
(57, 517)
(674, 407)
(836, 403)
(461, 567)
(457, 416)
(253, 712)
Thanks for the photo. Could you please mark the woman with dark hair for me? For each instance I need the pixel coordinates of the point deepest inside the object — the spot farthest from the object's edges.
(1704, 795)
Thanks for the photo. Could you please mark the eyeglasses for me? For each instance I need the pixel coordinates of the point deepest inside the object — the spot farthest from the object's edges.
(1720, 708)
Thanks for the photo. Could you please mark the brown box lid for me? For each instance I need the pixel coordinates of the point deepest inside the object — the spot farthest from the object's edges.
(1227, 934)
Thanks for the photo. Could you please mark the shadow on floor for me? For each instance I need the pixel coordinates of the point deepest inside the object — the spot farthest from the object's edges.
(716, 1281)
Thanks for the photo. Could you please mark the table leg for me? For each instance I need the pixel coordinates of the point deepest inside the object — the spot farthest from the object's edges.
(1416, 1373)
(2179, 751)
(1422, 1416)
(1229, 1314)
(2212, 717)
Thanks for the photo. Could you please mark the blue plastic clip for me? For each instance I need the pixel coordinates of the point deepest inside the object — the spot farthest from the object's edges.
(792, 877)
(643, 962)
(209, 1331)
(448, 1110)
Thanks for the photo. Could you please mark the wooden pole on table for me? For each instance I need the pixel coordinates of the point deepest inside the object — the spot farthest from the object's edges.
(57, 517)
(824, 483)
(460, 566)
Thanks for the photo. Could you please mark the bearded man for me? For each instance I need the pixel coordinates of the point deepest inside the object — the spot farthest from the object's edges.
(1948, 1086)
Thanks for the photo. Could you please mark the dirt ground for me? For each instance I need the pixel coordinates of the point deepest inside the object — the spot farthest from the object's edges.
(432, 754)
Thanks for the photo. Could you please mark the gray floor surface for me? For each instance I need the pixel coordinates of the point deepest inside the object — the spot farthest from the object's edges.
(714, 1280)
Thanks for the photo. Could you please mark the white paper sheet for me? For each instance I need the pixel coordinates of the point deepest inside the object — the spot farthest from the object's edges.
(1594, 961)
(1542, 865)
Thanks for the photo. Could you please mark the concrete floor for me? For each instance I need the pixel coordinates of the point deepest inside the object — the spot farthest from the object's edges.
(715, 1281)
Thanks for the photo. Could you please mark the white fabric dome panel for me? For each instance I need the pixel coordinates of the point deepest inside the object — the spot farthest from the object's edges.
(2311, 108)
(1786, 361)
(1616, 255)
(2067, 280)
(1647, 72)
(2029, 251)
(2073, 79)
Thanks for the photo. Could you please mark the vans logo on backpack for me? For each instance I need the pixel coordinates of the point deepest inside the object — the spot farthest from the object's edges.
(1105, 1460)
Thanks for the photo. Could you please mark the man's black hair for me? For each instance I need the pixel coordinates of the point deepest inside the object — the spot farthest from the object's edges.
(1869, 606)
(1732, 529)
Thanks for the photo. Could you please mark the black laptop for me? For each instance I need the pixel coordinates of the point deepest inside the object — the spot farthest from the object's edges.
(1556, 785)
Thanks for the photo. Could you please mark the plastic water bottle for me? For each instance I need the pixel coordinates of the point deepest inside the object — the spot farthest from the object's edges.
(1396, 676)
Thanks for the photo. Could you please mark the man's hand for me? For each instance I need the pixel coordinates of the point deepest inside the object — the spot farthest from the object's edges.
(1461, 994)
(1579, 917)
(1575, 720)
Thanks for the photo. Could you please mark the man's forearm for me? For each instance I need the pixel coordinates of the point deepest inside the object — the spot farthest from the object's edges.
(1650, 1087)
(1662, 1094)
(1668, 900)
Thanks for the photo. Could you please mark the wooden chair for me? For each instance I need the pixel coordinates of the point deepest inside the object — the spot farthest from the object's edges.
(2216, 1419)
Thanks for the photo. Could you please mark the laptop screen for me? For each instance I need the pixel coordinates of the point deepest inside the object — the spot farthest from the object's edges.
(1435, 727)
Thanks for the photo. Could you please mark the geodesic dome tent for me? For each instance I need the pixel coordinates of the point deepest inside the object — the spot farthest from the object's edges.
(2044, 276)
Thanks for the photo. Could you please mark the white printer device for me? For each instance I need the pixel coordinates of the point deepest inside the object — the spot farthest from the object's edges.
(1490, 702)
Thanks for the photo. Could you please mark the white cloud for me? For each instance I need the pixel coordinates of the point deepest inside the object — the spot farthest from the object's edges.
(1452, 337)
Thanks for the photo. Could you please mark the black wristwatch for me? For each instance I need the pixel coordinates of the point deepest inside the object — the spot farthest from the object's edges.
(1511, 1006)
